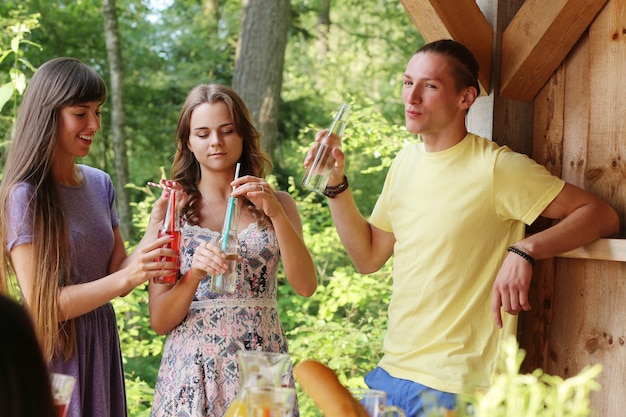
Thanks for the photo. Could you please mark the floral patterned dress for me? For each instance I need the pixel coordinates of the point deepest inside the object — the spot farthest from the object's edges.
(199, 373)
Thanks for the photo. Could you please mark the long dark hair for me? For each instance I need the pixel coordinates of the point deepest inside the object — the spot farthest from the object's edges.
(186, 169)
(24, 382)
(59, 83)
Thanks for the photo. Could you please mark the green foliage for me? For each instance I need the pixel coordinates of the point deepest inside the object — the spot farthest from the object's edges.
(532, 395)
(141, 346)
(343, 323)
(139, 395)
(370, 142)
(14, 32)
(189, 42)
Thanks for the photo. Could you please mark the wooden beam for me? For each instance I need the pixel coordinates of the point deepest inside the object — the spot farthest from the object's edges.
(538, 39)
(461, 20)
(601, 249)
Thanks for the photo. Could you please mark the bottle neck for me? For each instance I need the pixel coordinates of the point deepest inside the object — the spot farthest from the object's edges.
(231, 218)
(171, 221)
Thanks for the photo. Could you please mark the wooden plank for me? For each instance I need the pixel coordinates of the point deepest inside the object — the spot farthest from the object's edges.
(548, 123)
(539, 37)
(534, 325)
(589, 327)
(440, 19)
(605, 174)
(601, 249)
(513, 124)
(546, 149)
(588, 321)
(576, 117)
(512, 119)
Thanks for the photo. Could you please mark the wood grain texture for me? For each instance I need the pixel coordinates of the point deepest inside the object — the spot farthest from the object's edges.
(579, 304)
(539, 37)
(589, 327)
(601, 249)
(605, 173)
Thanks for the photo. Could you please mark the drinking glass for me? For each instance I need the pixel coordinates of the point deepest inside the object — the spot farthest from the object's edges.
(375, 402)
(62, 388)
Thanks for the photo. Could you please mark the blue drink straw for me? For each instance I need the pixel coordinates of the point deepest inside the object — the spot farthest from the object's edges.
(231, 203)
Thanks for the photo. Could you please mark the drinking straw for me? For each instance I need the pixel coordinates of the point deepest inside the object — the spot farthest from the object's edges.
(173, 217)
(172, 203)
(161, 186)
(231, 203)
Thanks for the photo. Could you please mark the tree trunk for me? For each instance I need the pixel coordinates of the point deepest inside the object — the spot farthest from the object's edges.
(116, 100)
(323, 28)
(259, 63)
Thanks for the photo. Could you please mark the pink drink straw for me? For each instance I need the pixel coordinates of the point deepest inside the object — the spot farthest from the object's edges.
(172, 201)
(161, 186)
(231, 203)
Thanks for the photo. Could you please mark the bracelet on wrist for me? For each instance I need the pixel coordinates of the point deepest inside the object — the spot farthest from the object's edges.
(524, 254)
(334, 191)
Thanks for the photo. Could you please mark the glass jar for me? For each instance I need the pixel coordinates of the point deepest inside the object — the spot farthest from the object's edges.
(257, 369)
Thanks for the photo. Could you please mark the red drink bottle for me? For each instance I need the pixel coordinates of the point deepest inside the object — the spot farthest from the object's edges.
(171, 227)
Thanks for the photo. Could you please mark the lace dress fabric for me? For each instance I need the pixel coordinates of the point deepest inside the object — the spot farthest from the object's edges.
(199, 373)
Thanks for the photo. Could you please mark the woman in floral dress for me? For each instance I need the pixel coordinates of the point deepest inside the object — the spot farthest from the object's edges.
(199, 373)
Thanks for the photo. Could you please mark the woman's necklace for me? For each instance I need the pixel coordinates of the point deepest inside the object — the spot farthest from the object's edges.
(223, 204)
(211, 211)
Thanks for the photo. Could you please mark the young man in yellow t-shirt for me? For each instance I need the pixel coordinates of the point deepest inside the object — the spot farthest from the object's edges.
(453, 211)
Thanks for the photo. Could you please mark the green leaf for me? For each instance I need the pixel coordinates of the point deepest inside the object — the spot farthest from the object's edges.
(6, 92)
(19, 80)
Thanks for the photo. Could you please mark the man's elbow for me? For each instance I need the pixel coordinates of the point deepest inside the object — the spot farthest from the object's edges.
(611, 223)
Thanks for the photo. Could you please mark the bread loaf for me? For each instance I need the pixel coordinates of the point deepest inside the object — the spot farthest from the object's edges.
(330, 396)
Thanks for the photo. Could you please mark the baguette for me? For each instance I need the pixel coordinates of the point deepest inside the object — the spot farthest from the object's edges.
(322, 385)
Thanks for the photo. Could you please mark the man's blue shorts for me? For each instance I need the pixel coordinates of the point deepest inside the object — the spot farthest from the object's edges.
(415, 399)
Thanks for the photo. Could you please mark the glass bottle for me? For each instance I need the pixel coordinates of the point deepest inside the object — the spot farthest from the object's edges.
(171, 227)
(318, 172)
(229, 242)
(257, 369)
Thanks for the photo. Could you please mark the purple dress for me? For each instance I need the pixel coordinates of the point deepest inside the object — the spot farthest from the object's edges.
(97, 360)
(199, 373)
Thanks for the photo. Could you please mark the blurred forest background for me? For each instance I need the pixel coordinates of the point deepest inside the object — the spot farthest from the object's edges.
(293, 62)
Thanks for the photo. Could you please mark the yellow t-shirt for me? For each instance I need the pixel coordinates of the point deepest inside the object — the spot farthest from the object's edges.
(453, 214)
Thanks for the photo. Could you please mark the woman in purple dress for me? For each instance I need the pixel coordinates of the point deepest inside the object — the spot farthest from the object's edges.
(61, 235)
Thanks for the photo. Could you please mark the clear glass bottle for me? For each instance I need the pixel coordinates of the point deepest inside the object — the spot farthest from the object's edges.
(318, 172)
(226, 283)
(171, 227)
(257, 369)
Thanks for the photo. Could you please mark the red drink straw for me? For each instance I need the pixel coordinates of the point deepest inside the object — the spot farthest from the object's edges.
(173, 216)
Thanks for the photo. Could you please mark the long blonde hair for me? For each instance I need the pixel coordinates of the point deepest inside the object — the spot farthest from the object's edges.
(58, 83)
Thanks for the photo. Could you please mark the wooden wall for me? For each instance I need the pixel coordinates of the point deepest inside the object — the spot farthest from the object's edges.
(579, 133)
